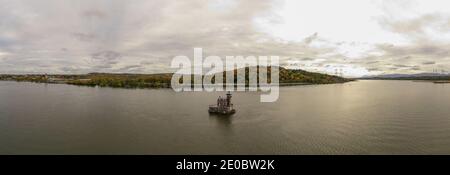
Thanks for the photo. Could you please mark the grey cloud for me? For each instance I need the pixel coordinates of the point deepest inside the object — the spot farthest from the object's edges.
(406, 57)
(129, 68)
(393, 68)
(102, 36)
(428, 62)
(86, 35)
(147, 62)
(415, 27)
(372, 62)
(423, 46)
(102, 67)
(401, 65)
(431, 50)
(373, 69)
(307, 59)
(103, 61)
(95, 13)
(106, 55)
(416, 68)
(311, 38)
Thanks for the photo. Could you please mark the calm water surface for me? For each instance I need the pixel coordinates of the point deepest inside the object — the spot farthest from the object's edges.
(364, 117)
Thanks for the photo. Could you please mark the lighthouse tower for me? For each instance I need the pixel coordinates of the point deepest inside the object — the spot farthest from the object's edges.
(229, 99)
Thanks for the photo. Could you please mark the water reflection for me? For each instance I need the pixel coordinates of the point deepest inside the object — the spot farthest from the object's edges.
(223, 121)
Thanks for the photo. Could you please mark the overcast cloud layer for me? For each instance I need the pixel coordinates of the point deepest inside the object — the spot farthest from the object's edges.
(360, 37)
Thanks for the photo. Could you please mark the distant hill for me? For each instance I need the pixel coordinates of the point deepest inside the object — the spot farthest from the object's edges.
(163, 80)
(301, 76)
(420, 76)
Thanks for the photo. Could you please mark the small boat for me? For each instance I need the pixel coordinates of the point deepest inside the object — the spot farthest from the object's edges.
(223, 106)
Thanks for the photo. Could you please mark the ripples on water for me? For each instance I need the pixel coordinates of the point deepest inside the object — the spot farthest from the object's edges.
(364, 117)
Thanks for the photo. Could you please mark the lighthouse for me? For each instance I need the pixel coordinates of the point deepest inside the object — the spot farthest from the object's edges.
(229, 99)
(224, 106)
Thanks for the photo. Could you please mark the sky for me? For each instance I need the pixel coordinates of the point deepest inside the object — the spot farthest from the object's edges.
(354, 37)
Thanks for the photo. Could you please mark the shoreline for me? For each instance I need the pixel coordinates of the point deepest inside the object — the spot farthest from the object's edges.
(164, 80)
(163, 87)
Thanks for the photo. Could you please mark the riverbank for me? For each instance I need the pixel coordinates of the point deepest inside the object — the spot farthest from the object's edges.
(286, 78)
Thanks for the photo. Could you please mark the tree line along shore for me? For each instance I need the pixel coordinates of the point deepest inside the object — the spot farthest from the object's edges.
(163, 80)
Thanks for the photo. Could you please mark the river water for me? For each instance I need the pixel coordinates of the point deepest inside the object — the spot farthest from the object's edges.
(362, 117)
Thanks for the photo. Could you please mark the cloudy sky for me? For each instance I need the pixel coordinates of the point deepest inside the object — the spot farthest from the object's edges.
(356, 37)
